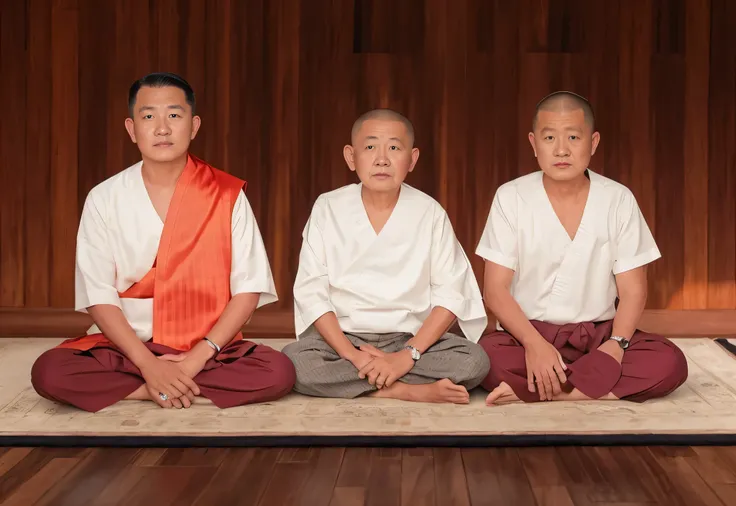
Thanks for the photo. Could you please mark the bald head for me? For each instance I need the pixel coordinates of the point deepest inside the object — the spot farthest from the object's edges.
(565, 101)
(383, 115)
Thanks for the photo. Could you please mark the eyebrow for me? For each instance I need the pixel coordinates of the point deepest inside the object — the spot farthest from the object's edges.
(568, 129)
(374, 138)
(150, 108)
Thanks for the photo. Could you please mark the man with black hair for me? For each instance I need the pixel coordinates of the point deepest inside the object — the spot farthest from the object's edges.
(170, 265)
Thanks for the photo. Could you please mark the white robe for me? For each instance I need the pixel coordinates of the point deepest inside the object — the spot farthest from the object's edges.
(386, 282)
(556, 279)
(118, 240)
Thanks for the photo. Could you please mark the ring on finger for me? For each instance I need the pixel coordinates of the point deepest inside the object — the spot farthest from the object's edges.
(163, 396)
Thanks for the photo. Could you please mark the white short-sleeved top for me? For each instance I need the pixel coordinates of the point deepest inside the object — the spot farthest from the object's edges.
(388, 281)
(557, 279)
(117, 243)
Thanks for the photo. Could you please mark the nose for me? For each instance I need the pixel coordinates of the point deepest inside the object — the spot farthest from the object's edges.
(162, 128)
(561, 148)
(381, 159)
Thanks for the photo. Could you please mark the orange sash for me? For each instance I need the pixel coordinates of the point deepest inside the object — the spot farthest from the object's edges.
(190, 278)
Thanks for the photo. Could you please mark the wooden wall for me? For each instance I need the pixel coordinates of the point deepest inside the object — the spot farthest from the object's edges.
(280, 82)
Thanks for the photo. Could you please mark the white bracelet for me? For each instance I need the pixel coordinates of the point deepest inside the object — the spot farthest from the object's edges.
(212, 345)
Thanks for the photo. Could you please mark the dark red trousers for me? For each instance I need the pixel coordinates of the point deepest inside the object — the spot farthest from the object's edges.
(242, 373)
(652, 366)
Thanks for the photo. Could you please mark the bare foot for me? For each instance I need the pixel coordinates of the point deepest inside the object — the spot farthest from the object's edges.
(577, 395)
(502, 394)
(443, 390)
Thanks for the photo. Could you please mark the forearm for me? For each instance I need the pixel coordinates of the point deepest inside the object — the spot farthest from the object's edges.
(115, 327)
(237, 312)
(628, 314)
(434, 327)
(508, 312)
(330, 330)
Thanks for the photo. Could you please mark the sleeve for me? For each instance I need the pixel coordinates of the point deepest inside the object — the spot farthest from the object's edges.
(250, 271)
(95, 273)
(312, 286)
(499, 243)
(635, 245)
(453, 283)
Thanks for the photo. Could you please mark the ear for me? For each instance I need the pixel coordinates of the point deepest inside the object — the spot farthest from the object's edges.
(349, 153)
(532, 142)
(130, 127)
(196, 123)
(596, 139)
(414, 158)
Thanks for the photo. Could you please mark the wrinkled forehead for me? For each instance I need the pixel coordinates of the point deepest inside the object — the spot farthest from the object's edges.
(563, 118)
(382, 130)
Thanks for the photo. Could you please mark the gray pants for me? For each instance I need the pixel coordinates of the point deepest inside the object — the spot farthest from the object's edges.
(321, 372)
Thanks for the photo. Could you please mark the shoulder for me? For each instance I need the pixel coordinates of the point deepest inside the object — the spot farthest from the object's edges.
(418, 197)
(227, 182)
(104, 192)
(523, 188)
(333, 202)
(336, 199)
(338, 195)
(617, 194)
(424, 205)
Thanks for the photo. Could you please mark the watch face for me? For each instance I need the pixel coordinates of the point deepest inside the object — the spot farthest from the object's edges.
(624, 343)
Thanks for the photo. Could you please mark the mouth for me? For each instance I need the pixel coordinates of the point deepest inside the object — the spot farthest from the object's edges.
(163, 144)
(562, 165)
(382, 175)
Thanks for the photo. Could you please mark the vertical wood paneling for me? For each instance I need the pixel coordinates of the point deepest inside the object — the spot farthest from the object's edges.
(636, 146)
(99, 112)
(64, 148)
(697, 68)
(38, 156)
(280, 82)
(667, 89)
(168, 33)
(12, 152)
(283, 17)
(722, 157)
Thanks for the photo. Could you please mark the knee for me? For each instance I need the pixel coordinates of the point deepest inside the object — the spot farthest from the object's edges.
(479, 362)
(494, 346)
(282, 370)
(299, 357)
(291, 351)
(673, 368)
(475, 367)
(46, 375)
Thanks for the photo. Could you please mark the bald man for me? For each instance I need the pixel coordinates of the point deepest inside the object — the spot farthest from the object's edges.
(566, 252)
(381, 279)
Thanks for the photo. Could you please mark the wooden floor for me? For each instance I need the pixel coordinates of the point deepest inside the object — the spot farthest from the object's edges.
(621, 476)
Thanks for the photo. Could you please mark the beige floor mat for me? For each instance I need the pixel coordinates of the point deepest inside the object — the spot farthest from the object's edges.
(705, 404)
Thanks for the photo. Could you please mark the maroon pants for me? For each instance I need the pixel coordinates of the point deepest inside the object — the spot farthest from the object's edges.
(242, 373)
(652, 366)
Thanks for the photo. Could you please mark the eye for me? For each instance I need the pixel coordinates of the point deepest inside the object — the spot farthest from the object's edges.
(148, 116)
(395, 148)
(369, 147)
(174, 115)
(574, 137)
(549, 138)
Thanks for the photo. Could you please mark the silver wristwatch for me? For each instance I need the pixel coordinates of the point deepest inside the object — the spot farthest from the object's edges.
(622, 341)
(415, 355)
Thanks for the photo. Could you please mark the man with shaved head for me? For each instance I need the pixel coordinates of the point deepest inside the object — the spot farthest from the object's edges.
(565, 252)
(381, 280)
